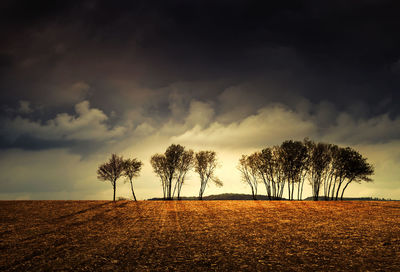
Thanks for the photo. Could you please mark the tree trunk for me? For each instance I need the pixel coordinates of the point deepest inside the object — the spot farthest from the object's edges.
(133, 193)
(281, 190)
(298, 190)
(169, 188)
(341, 197)
(201, 191)
(252, 190)
(338, 189)
(333, 190)
(329, 187)
(164, 191)
(292, 189)
(115, 188)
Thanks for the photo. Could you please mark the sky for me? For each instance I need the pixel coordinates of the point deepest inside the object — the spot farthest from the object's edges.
(80, 80)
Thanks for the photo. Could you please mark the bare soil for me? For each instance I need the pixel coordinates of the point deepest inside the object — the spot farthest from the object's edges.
(199, 236)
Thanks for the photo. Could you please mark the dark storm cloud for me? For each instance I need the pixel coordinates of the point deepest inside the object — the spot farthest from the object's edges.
(242, 55)
(29, 142)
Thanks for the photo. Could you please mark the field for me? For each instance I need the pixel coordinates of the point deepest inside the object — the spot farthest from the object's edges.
(199, 236)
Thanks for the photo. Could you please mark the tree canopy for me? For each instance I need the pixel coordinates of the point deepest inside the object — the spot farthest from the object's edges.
(111, 171)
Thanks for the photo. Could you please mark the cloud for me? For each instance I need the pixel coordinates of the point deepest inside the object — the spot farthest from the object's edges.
(42, 171)
(138, 135)
(270, 125)
(200, 114)
(87, 124)
(395, 68)
(379, 129)
(24, 107)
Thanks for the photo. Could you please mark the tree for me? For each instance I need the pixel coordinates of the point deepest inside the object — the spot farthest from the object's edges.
(186, 162)
(264, 164)
(158, 162)
(319, 159)
(339, 168)
(277, 170)
(132, 169)
(330, 178)
(172, 158)
(111, 171)
(172, 167)
(205, 163)
(294, 156)
(356, 169)
(269, 163)
(257, 172)
(247, 166)
(346, 165)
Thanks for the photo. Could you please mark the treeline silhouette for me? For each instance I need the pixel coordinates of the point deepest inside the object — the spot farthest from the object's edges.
(289, 165)
(323, 165)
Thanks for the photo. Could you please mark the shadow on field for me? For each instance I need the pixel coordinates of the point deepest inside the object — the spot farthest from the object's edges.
(82, 211)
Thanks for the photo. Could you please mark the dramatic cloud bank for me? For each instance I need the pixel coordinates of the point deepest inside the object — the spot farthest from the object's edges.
(69, 169)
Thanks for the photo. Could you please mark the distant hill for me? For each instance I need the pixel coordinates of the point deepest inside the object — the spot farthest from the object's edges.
(221, 197)
(355, 198)
(264, 197)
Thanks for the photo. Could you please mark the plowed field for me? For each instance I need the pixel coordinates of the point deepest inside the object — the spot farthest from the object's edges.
(199, 236)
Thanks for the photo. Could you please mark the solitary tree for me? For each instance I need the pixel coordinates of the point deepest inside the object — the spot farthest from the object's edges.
(205, 163)
(132, 169)
(111, 171)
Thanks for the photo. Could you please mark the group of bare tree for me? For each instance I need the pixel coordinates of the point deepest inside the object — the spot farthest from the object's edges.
(293, 162)
(173, 165)
(289, 165)
(117, 167)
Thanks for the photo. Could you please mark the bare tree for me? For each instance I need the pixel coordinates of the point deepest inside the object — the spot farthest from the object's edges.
(132, 169)
(356, 169)
(264, 164)
(271, 168)
(111, 171)
(172, 158)
(158, 162)
(319, 159)
(245, 170)
(339, 168)
(278, 171)
(186, 162)
(346, 166)
(294, 155)
(330, 179)
(205, 164)
(172, 167)
(256, 171)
